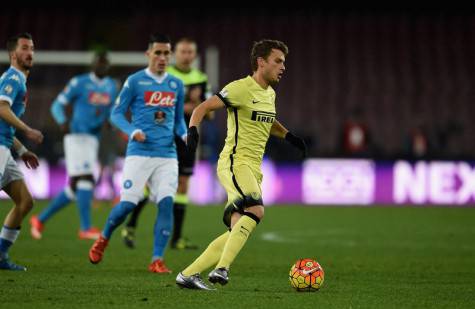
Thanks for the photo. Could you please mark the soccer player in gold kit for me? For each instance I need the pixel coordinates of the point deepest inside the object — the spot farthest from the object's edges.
(250, 104)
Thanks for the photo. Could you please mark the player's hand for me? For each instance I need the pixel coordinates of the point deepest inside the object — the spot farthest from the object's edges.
(139, 136)
(192, 139)
(34, 135)
(297, 142)
(30, 159)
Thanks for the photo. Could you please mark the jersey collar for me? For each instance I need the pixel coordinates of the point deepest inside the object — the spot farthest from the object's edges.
(96, 79)
(253, 81)
(158, 78)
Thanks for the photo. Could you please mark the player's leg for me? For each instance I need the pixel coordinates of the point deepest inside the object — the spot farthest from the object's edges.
(163, 185)
(190, 276)
(186, 162)
(136, 172)
(209, 257)
(245, 214)
(128, 232)
(84, 188)
(23, 201)
(72, 153)
(59, 202)
(81, 158)
(134, 216)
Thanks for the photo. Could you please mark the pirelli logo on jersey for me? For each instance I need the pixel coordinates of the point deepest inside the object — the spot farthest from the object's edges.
(159, 98)
(263, 116)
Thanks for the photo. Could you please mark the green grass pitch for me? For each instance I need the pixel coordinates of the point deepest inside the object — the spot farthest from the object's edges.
(373, 257)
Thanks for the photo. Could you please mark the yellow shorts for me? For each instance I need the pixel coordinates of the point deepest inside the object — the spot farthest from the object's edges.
(243, 186)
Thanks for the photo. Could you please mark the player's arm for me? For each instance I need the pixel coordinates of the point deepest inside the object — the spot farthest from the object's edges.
(180, 125)
(278, 130)
(7, 115)
(57, 109)
(114, 96)
(30, 159)
(118, 118)
(197, 94)
(199, 113)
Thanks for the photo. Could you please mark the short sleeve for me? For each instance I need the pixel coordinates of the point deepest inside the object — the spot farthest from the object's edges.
(230, 95)
(8, 91)
(69, 92)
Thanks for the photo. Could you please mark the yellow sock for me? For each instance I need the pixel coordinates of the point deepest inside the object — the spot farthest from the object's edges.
(209, 257)
(237, 238)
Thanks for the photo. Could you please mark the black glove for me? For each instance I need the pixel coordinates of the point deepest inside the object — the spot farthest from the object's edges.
(192, 139)
(297, 142)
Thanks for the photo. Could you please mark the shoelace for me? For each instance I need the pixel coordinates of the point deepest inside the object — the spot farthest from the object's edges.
(198, 277)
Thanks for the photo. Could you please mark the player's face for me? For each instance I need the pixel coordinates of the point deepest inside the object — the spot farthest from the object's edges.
(158, 57)
(273, 67)
(185, 53)
(23, 54)
(100, 66)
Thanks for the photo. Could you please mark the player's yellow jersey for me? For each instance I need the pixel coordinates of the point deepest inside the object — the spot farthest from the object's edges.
(251, 113)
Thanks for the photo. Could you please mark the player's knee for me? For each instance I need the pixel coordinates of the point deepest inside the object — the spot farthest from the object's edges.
(182, 185)
(257, 211)
(253, 204)
(25, 204)
(85, 182)
(165, 205)
(69, 192)
(81, 182)
(130, 198)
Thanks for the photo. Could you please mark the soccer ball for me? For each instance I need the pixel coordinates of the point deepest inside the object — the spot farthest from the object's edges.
(306, 275)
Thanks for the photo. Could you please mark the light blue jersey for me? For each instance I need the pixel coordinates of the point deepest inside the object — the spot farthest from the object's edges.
(13, 90)
(93, 100)
(156, 106)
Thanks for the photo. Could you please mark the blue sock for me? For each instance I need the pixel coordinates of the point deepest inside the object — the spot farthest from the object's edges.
(116, 217)
(7, 237)
(84, 196)
(59, 202)
(163, 227)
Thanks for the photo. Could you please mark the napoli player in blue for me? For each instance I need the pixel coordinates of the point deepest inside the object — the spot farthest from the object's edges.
(155, 100)
(92, 95)
(13, 100)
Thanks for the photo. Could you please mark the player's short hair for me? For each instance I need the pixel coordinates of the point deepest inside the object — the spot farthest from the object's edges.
(12, 42)
(158, 38)
(263, 48)
(185, 40)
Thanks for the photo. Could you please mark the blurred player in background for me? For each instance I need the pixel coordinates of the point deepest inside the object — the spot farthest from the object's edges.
(196, 87)
(250, 104)
(92, 95)
(155, 101)
(13, 100)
